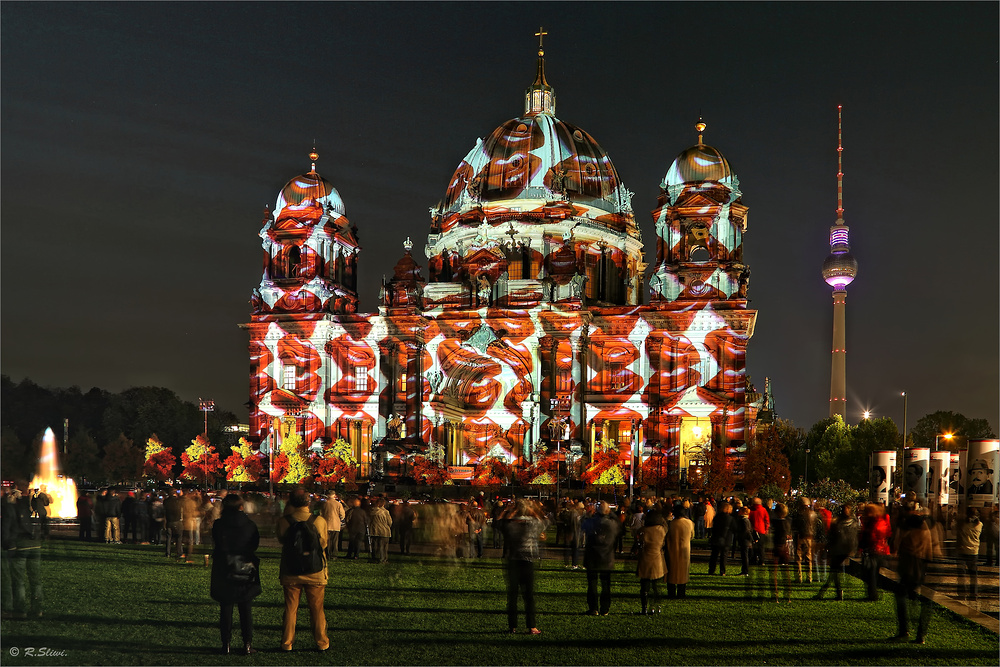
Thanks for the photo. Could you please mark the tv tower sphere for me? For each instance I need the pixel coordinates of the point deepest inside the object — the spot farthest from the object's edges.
(840, 268)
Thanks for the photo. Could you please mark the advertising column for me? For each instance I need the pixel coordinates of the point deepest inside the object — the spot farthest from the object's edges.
(916, 461)
(939, 476)
(980, 473)
(882, 469)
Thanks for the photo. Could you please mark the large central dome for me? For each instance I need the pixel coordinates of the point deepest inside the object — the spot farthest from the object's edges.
(533, 162)
(535, 157)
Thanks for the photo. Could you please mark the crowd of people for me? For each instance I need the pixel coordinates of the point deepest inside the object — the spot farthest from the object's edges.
(773, 543)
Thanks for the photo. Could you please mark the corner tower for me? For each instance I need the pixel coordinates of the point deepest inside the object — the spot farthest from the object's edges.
(839, 270)
(309, 278)
(699, 316)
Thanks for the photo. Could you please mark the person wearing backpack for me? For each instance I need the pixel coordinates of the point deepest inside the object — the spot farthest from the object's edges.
(303, 538)
(235, 579)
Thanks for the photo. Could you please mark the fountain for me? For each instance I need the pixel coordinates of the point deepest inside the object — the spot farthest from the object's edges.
(62, 490)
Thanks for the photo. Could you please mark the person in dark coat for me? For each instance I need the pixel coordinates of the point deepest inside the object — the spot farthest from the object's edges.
(356, 522)
(85, 515)
(781, 528)
(722, 527)
(602, 531)
(522, 524)
(842, 543)
(235, 535)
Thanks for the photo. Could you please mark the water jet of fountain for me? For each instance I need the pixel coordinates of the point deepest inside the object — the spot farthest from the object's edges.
(62, 490)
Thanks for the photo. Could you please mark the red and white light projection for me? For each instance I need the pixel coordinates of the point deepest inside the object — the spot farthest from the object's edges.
(530, 312)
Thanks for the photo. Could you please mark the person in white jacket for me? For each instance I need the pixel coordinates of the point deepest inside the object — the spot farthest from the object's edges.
(333, 511)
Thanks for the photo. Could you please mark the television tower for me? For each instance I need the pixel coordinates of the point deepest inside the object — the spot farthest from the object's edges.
(839, 270)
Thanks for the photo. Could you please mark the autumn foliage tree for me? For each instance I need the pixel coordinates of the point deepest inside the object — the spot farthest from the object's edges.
(492, 471)
(200, 460)
(337, 464)
(765, 462)
(721, 479)
(243, 463)
(542, 470)
(429, 468)
(604, 469)
(292, 461)
(160, 460)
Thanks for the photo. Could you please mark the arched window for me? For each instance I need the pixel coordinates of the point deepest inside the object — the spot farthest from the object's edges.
(294, 260)
(700, 254)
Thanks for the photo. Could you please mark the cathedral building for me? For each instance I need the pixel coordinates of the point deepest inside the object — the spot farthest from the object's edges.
(520, 318)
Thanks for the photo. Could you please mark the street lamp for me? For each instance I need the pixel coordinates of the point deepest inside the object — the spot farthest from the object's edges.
(806, 476)
(557, 432)
(636, 423)
(206, 405)
(902, 446)
(946, 436)
(867, 414)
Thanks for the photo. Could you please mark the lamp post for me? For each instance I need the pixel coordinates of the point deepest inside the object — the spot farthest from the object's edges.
(631, 467)
(206, 405)
(805, 477)
(556, 427)
(902, 446)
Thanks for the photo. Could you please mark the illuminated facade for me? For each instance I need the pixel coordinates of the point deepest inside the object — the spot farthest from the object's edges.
(839, 270)
(529, 310)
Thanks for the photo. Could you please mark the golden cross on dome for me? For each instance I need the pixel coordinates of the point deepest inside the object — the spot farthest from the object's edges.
(540, 35)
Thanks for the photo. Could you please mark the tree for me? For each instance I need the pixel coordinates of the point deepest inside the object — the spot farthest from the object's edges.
(83, 458)
(766, 463)
(429, 467)
(940, 423)
(721, 479)
(337, 465)
(243, 463)
(201, 462)
(122, 460)
(492, 471)
(160, 460)
(871, 435)
(829, 445)
(13, 455)
(140, 412)
(604, 468)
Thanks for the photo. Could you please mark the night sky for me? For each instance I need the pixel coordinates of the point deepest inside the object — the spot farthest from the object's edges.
(141, 141)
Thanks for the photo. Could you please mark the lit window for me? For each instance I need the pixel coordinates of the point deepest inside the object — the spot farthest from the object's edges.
(288, 378)
(564, 381)
(619, 377)
(360, 378)
(402, 383)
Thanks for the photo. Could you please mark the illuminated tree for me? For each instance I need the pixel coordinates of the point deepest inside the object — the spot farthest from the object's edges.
(200, 460)
(430, 467)
(492, 471)
(337, 464)
(655, 472)
(297, 462)
(542, 469)
(160, 460)
(604, 468)
(243, 463)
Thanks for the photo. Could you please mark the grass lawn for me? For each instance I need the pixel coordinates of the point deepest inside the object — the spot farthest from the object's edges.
(129, 605)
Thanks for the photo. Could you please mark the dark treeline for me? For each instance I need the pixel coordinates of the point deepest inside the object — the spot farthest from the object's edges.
(107, 431)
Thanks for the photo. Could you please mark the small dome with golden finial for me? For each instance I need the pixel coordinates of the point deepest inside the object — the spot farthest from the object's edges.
(698, 163)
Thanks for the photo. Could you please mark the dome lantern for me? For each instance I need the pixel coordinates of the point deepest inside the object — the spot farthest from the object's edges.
(540, 98)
